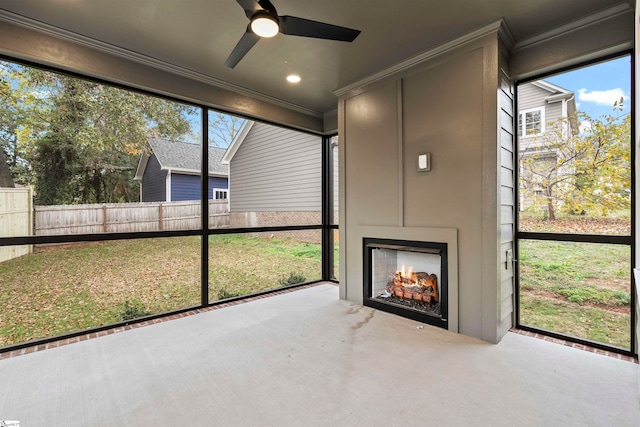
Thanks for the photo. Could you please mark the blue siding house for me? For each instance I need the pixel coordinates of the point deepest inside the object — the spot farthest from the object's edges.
(169, 171)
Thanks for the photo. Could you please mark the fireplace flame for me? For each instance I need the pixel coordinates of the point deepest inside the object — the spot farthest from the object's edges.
(425, 286)
(407, 276)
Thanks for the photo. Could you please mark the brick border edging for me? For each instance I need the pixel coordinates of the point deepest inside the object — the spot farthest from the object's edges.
(137, 325)
(92, 335)
(574, 345)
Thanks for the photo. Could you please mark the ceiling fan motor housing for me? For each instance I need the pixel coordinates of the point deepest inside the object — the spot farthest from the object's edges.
(264, 24)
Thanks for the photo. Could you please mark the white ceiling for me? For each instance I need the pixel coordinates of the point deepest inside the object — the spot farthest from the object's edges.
(198, 35)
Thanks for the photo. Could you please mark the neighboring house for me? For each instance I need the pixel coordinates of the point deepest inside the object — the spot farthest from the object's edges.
(540, 104)
(170, 171)
(543, 107)
(275, 176)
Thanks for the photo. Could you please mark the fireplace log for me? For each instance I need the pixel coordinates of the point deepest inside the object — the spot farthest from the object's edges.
(423, 288)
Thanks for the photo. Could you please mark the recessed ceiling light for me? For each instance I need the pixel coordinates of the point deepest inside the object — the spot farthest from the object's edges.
(293, 78)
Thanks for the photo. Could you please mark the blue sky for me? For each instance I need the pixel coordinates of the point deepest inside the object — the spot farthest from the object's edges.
(598, 86)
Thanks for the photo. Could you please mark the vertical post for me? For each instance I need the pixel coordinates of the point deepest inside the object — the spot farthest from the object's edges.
(30, 212)
(31, 216)
(104, 218)
(160, 217)
(327, 208)
(204, 220)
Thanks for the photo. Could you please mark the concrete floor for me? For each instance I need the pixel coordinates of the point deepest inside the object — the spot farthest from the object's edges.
(308, 358)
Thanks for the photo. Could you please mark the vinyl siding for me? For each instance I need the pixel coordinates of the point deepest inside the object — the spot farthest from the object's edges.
(153, 182)
(276, 169)
(531, 96)
(507, 204)
(552, 113)
(187, 187)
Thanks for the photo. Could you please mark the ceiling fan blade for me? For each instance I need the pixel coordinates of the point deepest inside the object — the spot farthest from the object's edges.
(293, 26)
(268, 6)
(250, 7)
(247, 41)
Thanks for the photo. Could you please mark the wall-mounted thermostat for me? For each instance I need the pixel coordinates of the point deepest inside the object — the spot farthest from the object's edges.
(424, 162)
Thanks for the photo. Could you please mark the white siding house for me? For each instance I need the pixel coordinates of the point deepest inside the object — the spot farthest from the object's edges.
(275, 177)
(543, 108)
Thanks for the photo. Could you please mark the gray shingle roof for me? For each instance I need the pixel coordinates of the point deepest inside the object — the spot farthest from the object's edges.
(185, 156)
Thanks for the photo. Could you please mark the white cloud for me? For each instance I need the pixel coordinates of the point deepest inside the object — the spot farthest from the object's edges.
(602, 97)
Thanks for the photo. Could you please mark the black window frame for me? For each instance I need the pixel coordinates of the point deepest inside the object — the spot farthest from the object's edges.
(326, 225)
(580, 238)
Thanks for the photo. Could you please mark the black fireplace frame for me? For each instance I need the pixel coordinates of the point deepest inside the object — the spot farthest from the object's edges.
(369, 244)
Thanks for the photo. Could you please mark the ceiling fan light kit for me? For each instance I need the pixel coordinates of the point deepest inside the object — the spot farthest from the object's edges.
(265, 22)
(264, 25)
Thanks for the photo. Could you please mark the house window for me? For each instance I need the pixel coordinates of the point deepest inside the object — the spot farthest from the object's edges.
(220, 194)
(531, 122)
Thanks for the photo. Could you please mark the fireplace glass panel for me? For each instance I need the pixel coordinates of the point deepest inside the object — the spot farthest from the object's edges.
(408, 278)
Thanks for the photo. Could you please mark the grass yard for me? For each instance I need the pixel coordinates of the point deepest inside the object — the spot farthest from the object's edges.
(241, 265)
(578, 289)
(69, 288)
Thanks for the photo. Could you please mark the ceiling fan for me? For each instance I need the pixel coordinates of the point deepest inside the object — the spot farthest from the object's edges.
(265, 22)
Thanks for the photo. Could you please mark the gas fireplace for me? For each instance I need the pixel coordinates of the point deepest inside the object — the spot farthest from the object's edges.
(408, 278)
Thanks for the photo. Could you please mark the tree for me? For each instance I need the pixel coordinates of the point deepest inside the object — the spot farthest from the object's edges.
(16, 109)
(579, 172)
(6, 127)
(80, 140)
(223, 129)
(6, 180)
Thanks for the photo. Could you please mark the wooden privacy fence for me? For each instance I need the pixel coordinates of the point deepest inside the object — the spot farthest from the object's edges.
(16, 210)
(127, 217)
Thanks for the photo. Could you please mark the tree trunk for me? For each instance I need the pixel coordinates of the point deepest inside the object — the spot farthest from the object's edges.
(6, 180)
(550, 208)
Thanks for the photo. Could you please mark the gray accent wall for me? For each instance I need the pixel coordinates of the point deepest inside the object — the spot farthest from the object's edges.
(276, 170)
(448, 107)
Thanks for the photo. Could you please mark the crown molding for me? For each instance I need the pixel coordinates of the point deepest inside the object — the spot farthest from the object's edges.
(496, 27)
(53, 31)
(505, 35)
(330, 114)
(578, 24)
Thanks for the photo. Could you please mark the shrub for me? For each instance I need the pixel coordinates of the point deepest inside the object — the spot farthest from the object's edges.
(225, 294)
(293, 279)
(133, 310)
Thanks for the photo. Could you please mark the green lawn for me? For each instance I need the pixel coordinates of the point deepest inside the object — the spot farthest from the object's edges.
(573, 288)
(579, 289)
(70, 288)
